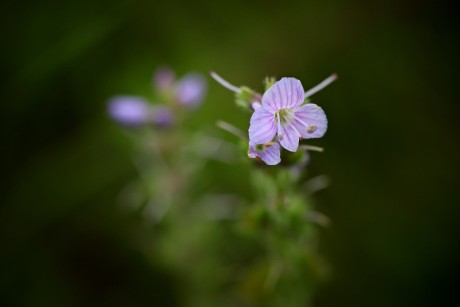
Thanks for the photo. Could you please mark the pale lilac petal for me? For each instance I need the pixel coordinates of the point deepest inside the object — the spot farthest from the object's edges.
(288, 135)
(256, 105)
(129, 110)
(285, 93)
(252, 152)
(270, 154)
(191, 89)
(310, 120)
(262, 128)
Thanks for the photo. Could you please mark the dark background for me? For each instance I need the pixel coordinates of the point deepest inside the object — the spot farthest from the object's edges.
(392, 148)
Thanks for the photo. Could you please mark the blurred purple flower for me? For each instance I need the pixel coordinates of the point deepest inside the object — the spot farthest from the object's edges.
(133, 111)
(164, 78)
(161, 116)
(190, 90)
(269, 153)
(129, 110)
(283, 114)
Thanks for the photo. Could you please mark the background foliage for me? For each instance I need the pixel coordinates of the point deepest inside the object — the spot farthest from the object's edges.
(391, 150)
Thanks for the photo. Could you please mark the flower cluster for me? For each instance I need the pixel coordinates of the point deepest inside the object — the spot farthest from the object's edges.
(134, 111)
(189, 91)
(282, 117)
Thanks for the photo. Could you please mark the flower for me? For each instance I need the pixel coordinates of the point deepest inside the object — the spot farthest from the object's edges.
(161, 116)
(190, 90)
(129, 110)
(133, 111)
(279, 112)
(283, 115)
(269, 153)
(164, 78)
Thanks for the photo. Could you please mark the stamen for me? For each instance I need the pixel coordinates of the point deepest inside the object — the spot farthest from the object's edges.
(320, 86)
(224, 83)
(280, 135)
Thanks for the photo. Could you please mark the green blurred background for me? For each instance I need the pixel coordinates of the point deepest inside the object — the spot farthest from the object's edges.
(392, 148)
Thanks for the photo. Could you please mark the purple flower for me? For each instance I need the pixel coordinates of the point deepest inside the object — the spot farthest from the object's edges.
(129, 110)
(269, 153)
(161, 116)
(164, 78)
(190, 90)
(283, 115)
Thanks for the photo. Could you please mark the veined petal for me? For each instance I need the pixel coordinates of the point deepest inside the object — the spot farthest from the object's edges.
(286, 93)
(272, 154)
(269, 153)
(262, 127)
(288, 135)
(310, 120)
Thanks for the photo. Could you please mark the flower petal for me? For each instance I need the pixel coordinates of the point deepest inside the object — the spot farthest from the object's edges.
(286, 93)
(272, 154)
(288, 135)
(191, 90)
(129, 110)
(310, 120)
(262, 127)
(269, 153)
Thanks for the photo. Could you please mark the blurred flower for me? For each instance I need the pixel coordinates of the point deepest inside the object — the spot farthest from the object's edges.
(302, 161)
(129, 110)
(269, 153)
(164, 79)
(283, 114)
(135, 111)
(190, 90)
(161, 116)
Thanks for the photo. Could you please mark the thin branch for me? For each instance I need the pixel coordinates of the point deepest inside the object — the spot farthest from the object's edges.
(312, 148)
(224, 82)
(320, 86)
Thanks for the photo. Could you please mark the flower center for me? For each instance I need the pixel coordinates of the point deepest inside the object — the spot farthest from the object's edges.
(284, 115)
